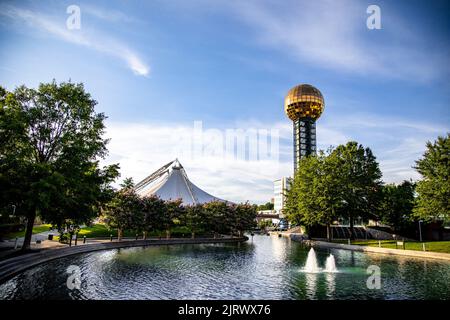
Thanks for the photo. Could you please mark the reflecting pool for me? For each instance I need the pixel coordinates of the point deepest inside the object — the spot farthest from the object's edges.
(265, 267)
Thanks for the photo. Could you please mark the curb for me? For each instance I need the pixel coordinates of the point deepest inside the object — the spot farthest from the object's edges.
(397, 252)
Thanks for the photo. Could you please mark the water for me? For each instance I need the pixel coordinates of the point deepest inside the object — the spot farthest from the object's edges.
(262, 268)
(330, 264)
(311, 266)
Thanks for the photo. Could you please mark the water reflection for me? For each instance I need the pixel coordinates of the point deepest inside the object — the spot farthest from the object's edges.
(331, 284)
(311, 285)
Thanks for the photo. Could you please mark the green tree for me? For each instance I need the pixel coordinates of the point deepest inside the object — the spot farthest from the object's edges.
(125, 210)
(51, 141)
(343, 181)
(359, 179)
(217, 218)
(173, 213)
(434, 190)
(266, 206)
(396, 205)
(244, 216)
(194, 218)
(154, 212)
(315, 194)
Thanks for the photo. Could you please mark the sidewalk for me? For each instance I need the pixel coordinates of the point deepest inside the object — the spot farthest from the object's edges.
(42, 236)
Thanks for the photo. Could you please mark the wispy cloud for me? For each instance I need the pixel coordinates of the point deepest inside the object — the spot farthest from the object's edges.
(99, 42)
(108, 14)
(333, 35)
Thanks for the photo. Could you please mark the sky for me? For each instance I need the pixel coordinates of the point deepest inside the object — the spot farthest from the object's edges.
(188, 79)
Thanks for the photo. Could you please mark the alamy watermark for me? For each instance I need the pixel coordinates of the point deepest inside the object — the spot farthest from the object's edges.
(250, 144)
(374, 20)
(73, 22)
(374, 280)
(74, 278)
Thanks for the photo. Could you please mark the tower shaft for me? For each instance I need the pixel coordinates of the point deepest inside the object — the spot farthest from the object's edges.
(304, 139)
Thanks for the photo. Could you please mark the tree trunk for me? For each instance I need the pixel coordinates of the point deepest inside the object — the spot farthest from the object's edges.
(167, 234)
(145, 235)
(119, 234)
(352, 231)
(29, 231)
(193, 235)
(328, 232)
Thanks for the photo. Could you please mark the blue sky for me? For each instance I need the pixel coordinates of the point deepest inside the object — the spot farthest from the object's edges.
(155, 67)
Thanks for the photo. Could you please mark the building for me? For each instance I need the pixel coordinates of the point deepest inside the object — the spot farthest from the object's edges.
(280, 187)
(303, 105)
(170, 182)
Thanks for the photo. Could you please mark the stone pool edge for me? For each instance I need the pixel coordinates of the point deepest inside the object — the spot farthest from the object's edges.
(397, 252)
(16, 265)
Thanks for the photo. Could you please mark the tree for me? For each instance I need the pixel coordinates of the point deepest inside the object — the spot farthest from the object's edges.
(194, 218)
(359, 179)
(343, 181)
(396, 205)
(51, 142)
(124, 211)
(315, 193)
(153, 214)
(244, 216)
(266, 206)
(173, 212)
(217, 217)
(434, 190)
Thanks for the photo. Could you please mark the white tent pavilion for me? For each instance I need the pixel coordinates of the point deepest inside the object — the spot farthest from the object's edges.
(170, 182)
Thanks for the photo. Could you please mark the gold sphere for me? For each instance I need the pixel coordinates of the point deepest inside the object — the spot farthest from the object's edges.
(304, 101)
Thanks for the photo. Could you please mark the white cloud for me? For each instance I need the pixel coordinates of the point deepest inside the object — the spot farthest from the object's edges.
(98, 42)
(142, 148)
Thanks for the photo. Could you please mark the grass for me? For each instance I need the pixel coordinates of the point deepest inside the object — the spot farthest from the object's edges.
(100, 230)
(36, 229)
(435, 246)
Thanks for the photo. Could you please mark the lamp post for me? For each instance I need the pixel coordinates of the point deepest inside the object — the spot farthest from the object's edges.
(420, 230)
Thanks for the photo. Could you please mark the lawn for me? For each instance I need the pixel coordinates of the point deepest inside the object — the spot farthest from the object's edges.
(36, 229)
(100, 230)
(435, 246)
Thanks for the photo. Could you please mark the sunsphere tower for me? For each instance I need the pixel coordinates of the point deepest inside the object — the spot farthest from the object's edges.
(303, 105)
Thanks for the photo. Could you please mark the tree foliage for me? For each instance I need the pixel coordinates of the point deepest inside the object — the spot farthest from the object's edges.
(434, 190)
(342, 182)
(396, 205)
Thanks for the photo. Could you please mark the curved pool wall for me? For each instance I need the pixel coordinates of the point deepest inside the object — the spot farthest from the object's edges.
(13, 266)
(261, 268)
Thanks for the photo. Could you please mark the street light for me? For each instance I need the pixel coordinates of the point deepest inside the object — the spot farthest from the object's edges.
(420, 230)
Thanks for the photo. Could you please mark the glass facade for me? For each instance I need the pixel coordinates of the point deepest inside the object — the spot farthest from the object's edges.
(304, 139)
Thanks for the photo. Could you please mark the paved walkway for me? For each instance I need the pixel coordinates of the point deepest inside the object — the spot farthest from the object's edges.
(397, 252)
(11, 243)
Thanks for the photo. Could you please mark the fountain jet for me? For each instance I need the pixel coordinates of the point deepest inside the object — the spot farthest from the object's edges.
(330, 264)
(311, 262)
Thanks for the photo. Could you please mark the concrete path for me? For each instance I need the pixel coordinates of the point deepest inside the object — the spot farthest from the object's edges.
(10, 243)
(397, 252)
